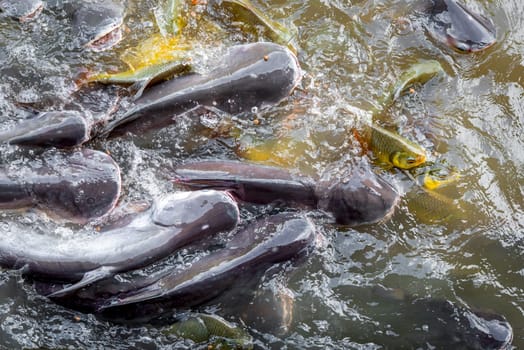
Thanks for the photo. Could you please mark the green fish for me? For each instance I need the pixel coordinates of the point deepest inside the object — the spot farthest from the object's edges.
(168, 16)
(420, 72)
(140, 78)
(211, 328)
(277, 32)
(391, 148)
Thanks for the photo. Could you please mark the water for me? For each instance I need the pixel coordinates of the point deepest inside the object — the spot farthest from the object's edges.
(351, 53)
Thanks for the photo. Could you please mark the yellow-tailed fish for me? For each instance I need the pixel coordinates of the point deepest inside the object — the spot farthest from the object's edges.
(168, 16)
(144, 76)
(155, 50)
(432, 182)
(420, 72)
(277, 32)
(283, 151)
(391, 148)
(430, 206)
(211, 328)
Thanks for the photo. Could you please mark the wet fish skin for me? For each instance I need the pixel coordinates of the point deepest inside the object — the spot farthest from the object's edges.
(60, 129)
(252, 183)
(176, 220)
(251, 75)
(459, 27)
(22, 10)
(211, 328)
(76, 186)
(392, 149)
(94, 20)
(246, 256)
(361, 197)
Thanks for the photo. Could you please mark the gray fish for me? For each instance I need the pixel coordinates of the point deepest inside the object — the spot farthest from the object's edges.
(252, 251)
(97, 24)
(459, 27)
(254, 75)
(176, 220)
(439, 323)
(76, 186)
(241, 261)
(359, 197)
(22, 10)
(59, 129)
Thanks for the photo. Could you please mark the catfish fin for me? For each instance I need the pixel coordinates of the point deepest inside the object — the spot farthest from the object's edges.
(89, 277)
(138, 87)
(143, 294)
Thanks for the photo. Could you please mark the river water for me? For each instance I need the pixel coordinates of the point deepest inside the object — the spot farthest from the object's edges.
(469, 251)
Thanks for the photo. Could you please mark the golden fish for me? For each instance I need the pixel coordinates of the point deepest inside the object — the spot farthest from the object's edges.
(277, 32)
(391, 148)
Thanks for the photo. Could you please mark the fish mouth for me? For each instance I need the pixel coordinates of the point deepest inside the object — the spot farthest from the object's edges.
(107, 38)
(33, 13)
(468, 46)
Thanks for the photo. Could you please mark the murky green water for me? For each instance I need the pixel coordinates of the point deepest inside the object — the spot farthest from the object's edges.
(351, 52)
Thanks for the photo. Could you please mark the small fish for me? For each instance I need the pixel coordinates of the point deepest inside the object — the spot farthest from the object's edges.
(248, 13)
(459, 27)
(140, 78)
(391, 148)
(212, 329)
(421, 72)
(157, 50)
(432, 181)
(168, 16)
(22, 10)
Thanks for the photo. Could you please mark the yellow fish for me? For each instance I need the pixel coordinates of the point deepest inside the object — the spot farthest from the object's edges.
(277, 32)
(144, 76)
(391, 148)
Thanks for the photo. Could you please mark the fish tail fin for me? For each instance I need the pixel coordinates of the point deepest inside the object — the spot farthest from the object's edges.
(143, 294)
(137, 88)
(89, 277)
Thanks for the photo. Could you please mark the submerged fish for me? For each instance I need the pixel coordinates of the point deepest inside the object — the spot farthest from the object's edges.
(50, 129)
(391, 148)
(252, 76)
(250, 253)
(359, 197)
(174, 221)
(211, 329)
(248, 13)
(243, 259)
(459, 27)
(76, 186)
(22, 10)
(421, 72)
(97, 24)
(169, 18)
(440, 323)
